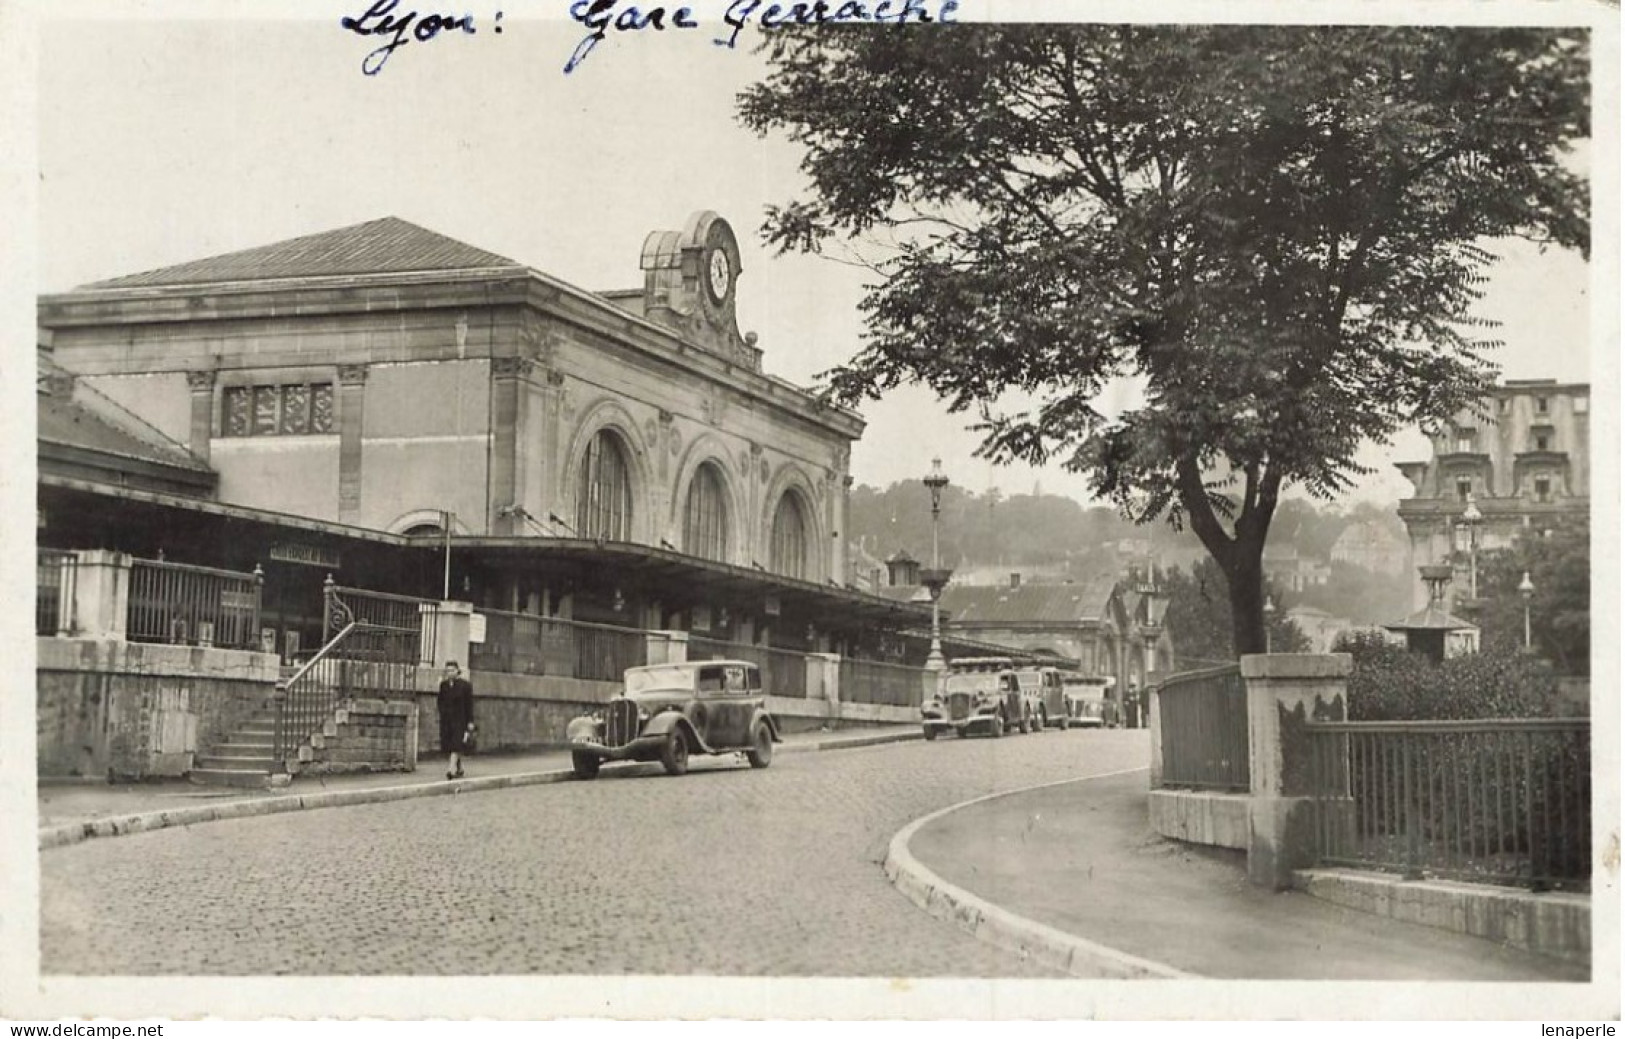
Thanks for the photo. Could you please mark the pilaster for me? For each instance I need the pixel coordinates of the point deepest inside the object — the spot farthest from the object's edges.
(352, 385)
(201, 431)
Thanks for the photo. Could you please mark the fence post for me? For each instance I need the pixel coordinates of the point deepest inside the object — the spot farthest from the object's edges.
(1285, 691)
(452, 624)
(102, 599)
(824, 680)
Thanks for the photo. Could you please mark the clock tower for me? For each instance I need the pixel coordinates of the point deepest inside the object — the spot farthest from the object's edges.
(690, 283)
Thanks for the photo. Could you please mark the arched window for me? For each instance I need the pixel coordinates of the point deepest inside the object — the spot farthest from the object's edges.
(423, 530)
(789, 538)
(705, 518)
(604, 491)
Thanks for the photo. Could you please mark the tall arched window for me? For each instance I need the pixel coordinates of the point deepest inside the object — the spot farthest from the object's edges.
(705, 517)
(789, 538)
(604, 491)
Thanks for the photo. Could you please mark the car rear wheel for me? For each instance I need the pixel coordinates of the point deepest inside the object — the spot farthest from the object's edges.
(760, 755)
(995, 728)
(584, 765)
(674, 753)
(1043, 719)
(930, 732)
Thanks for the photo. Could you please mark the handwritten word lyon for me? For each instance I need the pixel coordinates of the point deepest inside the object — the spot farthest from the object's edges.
(380, 20)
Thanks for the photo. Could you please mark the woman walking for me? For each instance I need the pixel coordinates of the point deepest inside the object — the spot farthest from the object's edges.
(456, 703)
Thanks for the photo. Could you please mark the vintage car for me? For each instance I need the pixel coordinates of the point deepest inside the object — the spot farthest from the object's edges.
(1042, 698)
(973, 700)
(1089, 701)
(668, 711)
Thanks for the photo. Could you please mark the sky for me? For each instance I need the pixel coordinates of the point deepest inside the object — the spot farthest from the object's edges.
(162, 141)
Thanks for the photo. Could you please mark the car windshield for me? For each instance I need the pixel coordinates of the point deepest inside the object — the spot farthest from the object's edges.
(972, 683)
(647, 679)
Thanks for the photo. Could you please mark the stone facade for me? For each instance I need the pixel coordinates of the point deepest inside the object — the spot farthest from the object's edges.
(387, 397)
(1523, 457)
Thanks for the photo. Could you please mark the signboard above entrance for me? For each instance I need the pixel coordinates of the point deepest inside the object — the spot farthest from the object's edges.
(305, 554)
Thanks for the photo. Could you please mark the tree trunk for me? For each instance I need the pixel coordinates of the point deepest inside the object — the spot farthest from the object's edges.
(1245, 579)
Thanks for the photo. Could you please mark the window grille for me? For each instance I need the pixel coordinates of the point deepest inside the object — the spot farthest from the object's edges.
(705, 519)
(288, 410)
(604, 491)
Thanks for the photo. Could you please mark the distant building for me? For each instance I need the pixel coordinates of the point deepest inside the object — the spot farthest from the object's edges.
(1289, 571)
(1523, 457)
(1319, 627)
(1372, 546)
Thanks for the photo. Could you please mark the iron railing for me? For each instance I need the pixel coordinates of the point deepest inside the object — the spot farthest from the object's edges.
(361, 661)
(384, 610)
(193, 605)
(56, 583)
(524, 644)
(1497, 800)
(1203, 715)
(784, 671)
(875, 682)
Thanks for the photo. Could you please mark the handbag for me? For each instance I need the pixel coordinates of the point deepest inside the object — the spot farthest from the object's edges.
(470, 739)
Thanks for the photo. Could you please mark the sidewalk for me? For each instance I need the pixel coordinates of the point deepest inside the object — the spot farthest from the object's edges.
(72, 812)
(1080, 860)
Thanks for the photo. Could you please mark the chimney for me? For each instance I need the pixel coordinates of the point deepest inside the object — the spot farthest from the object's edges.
(1015, 579)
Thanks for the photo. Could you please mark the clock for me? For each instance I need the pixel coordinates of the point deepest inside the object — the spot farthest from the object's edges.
(719, 272)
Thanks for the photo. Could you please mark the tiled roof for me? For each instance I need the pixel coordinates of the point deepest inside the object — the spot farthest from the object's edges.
(387, 246)
(1431, 618)
(1029, 603)
(82, 418)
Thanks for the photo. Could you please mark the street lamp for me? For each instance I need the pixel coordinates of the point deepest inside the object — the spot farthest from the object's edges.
(1526, 588)
(1472, 519)
(1269, 617)
(935, 578)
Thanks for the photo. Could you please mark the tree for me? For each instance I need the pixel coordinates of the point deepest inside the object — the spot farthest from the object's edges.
(1558, 562)
(1277, 230)
(1198, 618)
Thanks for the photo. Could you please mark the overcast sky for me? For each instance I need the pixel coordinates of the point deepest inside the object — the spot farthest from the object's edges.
(162, 142)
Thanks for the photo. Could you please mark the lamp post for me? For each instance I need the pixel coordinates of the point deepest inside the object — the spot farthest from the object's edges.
(1269, 617)
(935, 578)
(1526, 588)
(1471, 518)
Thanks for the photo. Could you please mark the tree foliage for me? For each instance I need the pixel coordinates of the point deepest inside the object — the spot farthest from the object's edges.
(1278, 231)
(1198, 618)
(1558, 562)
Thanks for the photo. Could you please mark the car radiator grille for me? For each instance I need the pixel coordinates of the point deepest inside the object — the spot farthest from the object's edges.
(958, 706)
(620, 723)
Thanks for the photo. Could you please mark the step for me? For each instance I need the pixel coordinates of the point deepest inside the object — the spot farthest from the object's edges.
(249, 762)
(230, 777)
(268, 746)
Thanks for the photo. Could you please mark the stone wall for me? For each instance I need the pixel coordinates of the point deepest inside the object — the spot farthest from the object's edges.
(106, 708)
(365, 736)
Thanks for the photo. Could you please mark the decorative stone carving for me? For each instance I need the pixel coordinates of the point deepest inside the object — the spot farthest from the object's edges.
(352, 374)
(555, 378)
(537, 340)
(57, 384)
(512, 367)
(763, 469)
(198, 382)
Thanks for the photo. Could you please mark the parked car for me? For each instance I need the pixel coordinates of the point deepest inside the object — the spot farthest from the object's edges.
(1043, 697)
(973, 701)
(1089, 701)
(668, 711)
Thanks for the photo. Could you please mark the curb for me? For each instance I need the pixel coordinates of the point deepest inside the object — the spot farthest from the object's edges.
(118, 826)
(1002, 928)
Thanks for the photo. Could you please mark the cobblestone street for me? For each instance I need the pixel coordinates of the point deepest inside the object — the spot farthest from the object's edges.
(726, 871)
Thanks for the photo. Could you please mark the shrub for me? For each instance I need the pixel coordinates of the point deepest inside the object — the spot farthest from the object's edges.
(1390, 683)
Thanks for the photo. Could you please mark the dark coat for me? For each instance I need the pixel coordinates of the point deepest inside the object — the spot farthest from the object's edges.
(456, 703)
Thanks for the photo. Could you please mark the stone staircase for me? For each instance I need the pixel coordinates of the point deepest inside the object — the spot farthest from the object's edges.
(246, 758)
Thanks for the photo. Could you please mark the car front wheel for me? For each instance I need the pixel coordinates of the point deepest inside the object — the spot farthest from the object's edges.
(995, 728)
(584, 765)
(760, 755)
(674, 753)
(930, 732)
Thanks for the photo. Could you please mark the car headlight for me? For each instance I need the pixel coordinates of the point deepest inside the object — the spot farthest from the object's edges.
(643, 715)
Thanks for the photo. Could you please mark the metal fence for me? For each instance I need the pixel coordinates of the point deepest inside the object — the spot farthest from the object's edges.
(784, 671)
(360, 661)
(524, 644)
(874, 682)
(1203, 715)
(400, 613)
(1499, 800)
(193, 605)
(56, 582)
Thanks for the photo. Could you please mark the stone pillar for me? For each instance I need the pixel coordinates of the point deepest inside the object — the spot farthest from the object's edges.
(1154, 723)
(667, 647)
(201, 431)
(352, 383)
(452, 622)
(101, 596)
(1283, 692)
(510, 380)
(824, 680)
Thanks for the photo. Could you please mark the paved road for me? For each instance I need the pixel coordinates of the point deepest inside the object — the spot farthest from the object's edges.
(726, 871)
